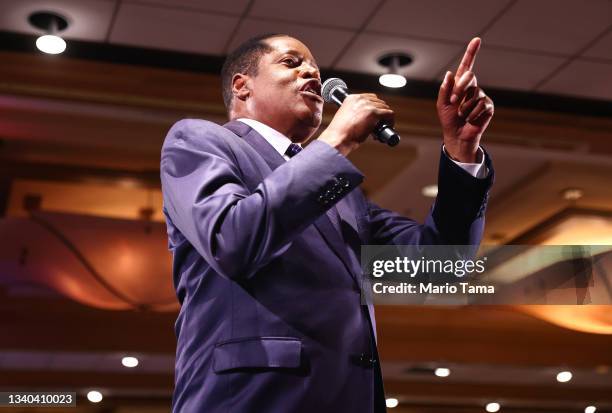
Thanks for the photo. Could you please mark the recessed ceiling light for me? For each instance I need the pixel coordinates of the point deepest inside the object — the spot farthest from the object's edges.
(391, 402)
(392, 80)
(129, 361)
(393, 62)
(50, 44)
(51, 24)
(430, 191)
(572, 194)
(94, 396)
(442, 372)
(492, 407)
(564, 376)
(590, 409)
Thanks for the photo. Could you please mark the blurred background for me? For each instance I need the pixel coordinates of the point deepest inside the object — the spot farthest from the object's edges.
(85, 277)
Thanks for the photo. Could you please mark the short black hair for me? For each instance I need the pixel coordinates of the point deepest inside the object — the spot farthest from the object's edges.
(244, 59)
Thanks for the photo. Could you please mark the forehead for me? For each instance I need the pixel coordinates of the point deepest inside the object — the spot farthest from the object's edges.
(284, 44)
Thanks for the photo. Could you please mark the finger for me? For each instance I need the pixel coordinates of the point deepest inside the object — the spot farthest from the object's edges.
(370, 96)
(379, 105)
(446, 89)
(467, 62)
(378, 101)
(479, 110)
(386, 115)
(383, 112)
(466, 81)
(486, 114)
(473, 95)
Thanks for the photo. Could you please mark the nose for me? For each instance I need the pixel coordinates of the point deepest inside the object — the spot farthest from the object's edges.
(310, 71)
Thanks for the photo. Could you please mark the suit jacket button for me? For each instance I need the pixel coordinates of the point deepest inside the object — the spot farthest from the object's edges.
(366, 360)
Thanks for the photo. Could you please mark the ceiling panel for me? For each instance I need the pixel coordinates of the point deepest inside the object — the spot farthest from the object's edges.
(163, 28)
(325, 44)
(559, 26)
(227, 6)
(88, 19)
(582, 78)
(437, 19)
(602, 48)
(349, 14)
(512, 70)
(429, 56)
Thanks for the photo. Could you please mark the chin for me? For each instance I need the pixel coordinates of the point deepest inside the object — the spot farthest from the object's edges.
(312, 118)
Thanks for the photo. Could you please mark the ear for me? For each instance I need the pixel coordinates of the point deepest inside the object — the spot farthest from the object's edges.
(240, 86)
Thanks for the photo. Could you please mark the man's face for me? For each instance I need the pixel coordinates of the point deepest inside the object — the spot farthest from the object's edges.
(286, 92)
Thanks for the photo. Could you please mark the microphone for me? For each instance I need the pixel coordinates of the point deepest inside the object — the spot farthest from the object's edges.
(334, 90)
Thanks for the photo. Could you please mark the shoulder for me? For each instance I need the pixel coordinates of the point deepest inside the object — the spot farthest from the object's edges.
(196, 129)
(200, 136)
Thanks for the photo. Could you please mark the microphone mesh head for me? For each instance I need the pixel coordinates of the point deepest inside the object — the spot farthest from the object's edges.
(328, 87)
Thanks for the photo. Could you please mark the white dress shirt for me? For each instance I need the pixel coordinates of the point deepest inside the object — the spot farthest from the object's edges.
(280, 142)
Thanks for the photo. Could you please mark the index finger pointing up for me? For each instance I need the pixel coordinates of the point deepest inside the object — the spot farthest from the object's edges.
(469, 57)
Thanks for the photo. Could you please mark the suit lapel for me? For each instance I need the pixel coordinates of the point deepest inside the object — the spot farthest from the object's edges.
(274, 160)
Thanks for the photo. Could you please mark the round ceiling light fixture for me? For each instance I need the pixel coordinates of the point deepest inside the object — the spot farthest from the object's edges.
(129, 361)
(564, 376)
(442, 372)
(572, 194)
(393, 62)
(94, 396)
(492, 407)
(51, 24)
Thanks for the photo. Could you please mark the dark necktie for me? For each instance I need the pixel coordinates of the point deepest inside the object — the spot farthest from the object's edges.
(332, 213)
(293, 150)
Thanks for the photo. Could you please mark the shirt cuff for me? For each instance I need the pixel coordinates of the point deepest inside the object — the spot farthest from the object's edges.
(477, 170)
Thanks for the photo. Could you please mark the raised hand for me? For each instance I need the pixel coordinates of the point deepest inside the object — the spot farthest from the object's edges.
(463, 108)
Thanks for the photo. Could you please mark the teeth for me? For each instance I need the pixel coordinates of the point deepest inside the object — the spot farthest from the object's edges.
(312, 90)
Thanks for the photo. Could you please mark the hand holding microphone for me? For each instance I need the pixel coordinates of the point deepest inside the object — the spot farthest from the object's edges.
(359, 116)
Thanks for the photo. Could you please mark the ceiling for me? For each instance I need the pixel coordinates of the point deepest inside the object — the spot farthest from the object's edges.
(84, 136)
(547, 46)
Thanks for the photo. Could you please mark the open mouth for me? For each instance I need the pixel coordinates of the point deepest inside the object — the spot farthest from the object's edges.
(312, 88)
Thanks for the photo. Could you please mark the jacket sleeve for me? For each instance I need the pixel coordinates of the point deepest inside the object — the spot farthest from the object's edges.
(456, 218)
(235, 230)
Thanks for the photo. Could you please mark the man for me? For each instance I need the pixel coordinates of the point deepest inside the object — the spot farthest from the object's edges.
(266, 240)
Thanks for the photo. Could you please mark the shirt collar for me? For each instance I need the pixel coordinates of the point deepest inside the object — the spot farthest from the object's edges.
(278, 141)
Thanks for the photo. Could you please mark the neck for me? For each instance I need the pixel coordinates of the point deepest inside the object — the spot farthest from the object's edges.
(295, 131)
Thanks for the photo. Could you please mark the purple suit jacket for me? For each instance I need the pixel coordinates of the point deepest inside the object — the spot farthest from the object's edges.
(269, 286)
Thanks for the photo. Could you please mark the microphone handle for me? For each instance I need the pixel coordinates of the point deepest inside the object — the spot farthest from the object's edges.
(382, 132)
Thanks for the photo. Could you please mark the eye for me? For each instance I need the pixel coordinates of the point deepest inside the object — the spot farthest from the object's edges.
(290, 61)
